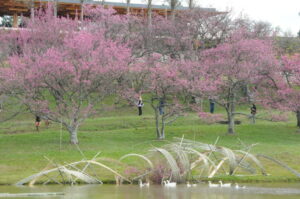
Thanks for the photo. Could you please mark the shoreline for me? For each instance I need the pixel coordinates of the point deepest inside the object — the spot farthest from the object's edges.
(237, 180)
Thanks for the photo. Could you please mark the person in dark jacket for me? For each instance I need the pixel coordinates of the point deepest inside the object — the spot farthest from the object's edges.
(161, 106)
(37, 122)
(211, 105)
(253, 112)
(253, 109)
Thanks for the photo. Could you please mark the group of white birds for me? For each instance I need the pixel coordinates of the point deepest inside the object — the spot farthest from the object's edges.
(225, 185)
(167, 183)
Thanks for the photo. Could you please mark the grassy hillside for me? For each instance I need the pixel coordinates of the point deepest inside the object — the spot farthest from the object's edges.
(116, 132)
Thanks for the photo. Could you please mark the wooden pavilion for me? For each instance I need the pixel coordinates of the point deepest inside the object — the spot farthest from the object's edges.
(72, 8)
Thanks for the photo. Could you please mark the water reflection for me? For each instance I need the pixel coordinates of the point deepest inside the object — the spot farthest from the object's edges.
(265, 191)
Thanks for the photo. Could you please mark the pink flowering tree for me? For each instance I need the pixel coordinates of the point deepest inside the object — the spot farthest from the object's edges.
(63, 71)
(291, 72)
(168, 77)
(240, 63)
(192, 30)
(161, 82)
(282, 92)
(206, 29)
(9, 106)
(106, 19)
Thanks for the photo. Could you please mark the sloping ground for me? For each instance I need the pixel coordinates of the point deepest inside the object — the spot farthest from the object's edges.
(22, 149)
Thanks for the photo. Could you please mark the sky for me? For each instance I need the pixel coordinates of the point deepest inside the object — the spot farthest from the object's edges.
(284, 14)
(280, 13)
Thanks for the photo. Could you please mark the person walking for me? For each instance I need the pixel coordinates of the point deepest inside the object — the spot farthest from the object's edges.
(161, 106)
(211, 105)
(253, 112)
(140, 104)
(37, 122)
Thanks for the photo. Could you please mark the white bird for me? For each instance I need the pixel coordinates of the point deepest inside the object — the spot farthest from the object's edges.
(188, 184)
(167, 183)
(143, 184)
(224, 185)
(239, 187)
(212, 185)
(191, 185)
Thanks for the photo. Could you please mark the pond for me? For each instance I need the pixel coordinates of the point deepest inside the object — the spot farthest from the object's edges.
(252, 191)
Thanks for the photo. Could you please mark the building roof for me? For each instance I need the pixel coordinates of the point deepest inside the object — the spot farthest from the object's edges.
(71, 7)
(121, 4)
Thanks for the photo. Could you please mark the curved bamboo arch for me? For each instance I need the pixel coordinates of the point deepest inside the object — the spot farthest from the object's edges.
(140, 156)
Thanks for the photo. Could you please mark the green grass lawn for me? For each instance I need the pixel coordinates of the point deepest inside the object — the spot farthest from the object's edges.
(120, 131)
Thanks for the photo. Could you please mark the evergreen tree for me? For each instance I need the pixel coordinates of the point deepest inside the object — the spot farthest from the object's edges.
(6, 21)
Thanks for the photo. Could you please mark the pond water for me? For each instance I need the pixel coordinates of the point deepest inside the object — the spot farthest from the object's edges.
(252, 191)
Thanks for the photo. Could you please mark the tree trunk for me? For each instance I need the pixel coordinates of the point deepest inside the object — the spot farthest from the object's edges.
(298, 118)
(158, 135)
(15, 20)
(81, 10)
(32, 10)
(162, 131)
(73, 134)
(162, 135)
(166, 13)
(191, 4)
(32, 13)
(149, 12)
(230, 123)
(55, 8)
(73, 138)
(230, 115)
(173, 4)
(128, 7)
(253, 118)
